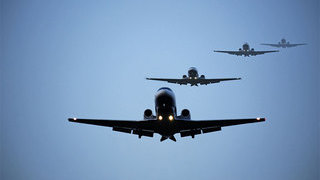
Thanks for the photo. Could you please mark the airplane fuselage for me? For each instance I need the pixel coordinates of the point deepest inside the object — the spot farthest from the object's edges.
(283, 43)
(166, 112)
(165, 103)
(193, 73)
(246, 50)
(245, 47)
(193, 76)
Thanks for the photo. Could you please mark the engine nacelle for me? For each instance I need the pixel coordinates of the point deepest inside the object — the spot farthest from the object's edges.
(185, 114)
(240, 49)
(184, 76)
(252, 49)
(288, 42)
(148, 114)
(202, 77)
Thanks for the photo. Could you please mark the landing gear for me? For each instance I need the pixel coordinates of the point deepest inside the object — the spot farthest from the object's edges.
(165, 138)
(173, 138)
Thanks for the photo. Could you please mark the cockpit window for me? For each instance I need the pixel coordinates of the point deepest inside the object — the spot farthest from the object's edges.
(165, 88)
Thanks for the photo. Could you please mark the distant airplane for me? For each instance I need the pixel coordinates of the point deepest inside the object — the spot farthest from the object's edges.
(193, 79)
(284, 44)
(166, 122)
(246, 51)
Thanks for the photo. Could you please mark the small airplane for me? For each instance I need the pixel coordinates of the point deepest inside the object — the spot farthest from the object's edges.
(284, 44)
(166, 122)
(246, 51)
(193, 79)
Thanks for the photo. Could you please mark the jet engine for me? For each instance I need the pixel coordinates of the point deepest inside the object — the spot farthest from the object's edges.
(240, 49)
(184, 76)
(252, 49)
(185, 114)
(202, 77)
(288, 42)
(148, 114)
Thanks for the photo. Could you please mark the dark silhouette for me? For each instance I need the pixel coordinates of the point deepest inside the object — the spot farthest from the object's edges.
(193, 79)
(166, 122)
(284, 44)
(246, 51)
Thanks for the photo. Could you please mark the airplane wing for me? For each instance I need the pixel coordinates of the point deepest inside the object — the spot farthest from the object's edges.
(141, 128)
(149, 127)
(254, 53)
(273, 45)
(293, 45)
(238, 53)
(191, 128)
(176, 81)
(210, 81)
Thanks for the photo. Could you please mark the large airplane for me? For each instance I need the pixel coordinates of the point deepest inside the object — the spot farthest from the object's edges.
(284, 44)
(166, 121)
(193, 79)
(246, 51)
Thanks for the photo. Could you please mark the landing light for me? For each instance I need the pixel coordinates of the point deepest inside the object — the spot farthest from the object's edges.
(170, 117)
(258, 119)
(160, 118)
(74, 119)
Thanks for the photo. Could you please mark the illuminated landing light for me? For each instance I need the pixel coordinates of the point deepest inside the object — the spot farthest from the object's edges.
(170, 117)
(74, 119)
(258, 119)
(160, 118)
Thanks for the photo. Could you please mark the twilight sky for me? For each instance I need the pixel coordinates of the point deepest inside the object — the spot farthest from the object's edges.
(89, 59)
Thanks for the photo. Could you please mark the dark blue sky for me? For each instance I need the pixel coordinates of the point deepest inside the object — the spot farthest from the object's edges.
(89, 59)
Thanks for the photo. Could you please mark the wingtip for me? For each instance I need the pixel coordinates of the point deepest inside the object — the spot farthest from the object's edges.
(261, 119)
(72, 119)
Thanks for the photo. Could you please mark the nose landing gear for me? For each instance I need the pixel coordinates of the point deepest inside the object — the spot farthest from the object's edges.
(165, 138)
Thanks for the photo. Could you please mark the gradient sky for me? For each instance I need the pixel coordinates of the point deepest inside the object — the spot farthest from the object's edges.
(89, 59)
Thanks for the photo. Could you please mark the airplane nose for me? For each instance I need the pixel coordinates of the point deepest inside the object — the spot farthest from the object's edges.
(164, 92)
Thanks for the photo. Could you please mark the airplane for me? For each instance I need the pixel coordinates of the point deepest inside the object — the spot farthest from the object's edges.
(166, 122)
(193, 79)
(246, 51)
(284, 44)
